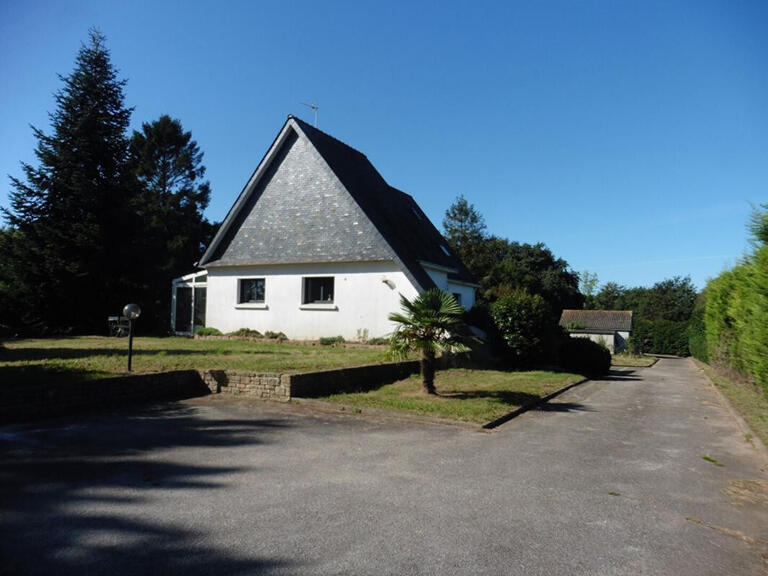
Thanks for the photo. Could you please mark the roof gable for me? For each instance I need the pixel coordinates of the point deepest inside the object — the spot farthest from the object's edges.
(299, 212)
(597, 320)
(359, 218)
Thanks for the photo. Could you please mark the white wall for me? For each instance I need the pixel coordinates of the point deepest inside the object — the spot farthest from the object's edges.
(362, 301)
(467, 293)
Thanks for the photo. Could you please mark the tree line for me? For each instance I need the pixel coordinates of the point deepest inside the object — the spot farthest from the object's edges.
(104, 217)
(525, 288)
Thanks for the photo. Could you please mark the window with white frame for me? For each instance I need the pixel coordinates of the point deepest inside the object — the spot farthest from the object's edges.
(318, 290)
(250, 291)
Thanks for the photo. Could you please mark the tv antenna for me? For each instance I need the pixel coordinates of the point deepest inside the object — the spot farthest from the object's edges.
(314, 107)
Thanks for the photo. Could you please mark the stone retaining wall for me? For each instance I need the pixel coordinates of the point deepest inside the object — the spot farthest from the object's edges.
(45, 400)
(252, 384)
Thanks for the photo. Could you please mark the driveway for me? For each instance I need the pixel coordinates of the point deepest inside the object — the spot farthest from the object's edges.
(609, 478)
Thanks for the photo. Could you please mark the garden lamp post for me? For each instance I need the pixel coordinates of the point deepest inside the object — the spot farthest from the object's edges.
(131, 311)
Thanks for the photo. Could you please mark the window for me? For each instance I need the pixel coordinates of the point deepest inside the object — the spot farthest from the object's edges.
(318, 291)
(251, 291)
(457, 296)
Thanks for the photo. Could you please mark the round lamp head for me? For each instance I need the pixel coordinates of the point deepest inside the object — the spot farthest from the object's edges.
(131, 311)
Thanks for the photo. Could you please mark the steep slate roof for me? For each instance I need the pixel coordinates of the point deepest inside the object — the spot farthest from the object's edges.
(597, 320)
(405, 229)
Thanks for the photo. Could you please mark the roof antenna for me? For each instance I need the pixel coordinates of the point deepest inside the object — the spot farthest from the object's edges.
(314, 107)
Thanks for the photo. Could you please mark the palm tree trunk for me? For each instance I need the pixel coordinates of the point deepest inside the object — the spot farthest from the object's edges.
(428, 372)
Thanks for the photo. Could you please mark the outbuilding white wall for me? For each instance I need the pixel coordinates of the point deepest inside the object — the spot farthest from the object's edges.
(441, 280)
(614, 341)
(362, 300)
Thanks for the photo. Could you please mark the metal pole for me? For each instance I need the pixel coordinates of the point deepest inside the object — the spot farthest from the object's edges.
(130, 343)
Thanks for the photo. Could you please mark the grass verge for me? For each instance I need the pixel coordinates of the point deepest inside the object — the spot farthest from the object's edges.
(746, 398)
(89, 357)
(632, 360)
(463, 394)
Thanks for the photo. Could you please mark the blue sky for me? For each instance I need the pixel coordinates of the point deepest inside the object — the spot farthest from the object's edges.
(630, 137)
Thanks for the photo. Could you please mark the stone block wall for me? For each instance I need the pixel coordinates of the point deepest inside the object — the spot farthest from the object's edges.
(252, 384)
(50, 399)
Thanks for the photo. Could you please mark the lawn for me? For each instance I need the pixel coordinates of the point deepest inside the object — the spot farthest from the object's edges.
(748, 399)
(633, 360)
(88, 357)
(468, 395)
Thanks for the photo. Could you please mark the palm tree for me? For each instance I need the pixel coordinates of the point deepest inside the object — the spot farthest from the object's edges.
(430, 323)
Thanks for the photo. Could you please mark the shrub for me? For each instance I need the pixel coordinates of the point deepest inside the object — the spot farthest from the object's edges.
(331, 340)
(246, 333)
(523, 321)
(378, 340)
(279, 336)
(583, 356)
(207, 331)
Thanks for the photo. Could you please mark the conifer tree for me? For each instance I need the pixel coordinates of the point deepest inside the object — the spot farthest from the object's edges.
(71, 213)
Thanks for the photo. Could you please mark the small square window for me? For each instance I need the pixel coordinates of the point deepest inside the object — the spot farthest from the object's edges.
(251, 291)
(457, 297)
(318, 290)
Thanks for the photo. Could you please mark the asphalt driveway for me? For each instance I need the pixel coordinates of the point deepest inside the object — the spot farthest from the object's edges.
(609, 478)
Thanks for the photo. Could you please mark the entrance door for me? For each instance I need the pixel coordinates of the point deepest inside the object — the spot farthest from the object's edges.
(183, 309)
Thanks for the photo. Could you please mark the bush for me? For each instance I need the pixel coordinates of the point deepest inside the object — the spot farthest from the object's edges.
(246, 333)
(523, 321)
(331, 340)
(378, 340)
(279, 336)
(207, 331)
(583, 356)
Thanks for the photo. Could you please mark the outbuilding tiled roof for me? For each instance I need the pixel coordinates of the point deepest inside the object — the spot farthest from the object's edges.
(597, 320)
(402, 225)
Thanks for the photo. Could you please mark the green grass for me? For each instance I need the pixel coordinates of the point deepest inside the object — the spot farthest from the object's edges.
(746, 398)
(88, 357)
(467, 395)
(632, 360)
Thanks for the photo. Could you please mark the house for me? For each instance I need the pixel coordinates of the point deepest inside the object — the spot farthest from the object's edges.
(609, 327)
(318, 244)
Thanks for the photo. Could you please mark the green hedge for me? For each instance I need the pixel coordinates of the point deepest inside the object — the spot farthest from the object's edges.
(659, 337)
(736, 318)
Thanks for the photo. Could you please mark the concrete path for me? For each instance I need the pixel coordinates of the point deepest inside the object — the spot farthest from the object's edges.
(609, 478)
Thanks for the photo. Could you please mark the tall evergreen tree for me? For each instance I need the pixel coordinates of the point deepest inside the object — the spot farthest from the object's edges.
(168, 166)
(464, 228)
(71, 212)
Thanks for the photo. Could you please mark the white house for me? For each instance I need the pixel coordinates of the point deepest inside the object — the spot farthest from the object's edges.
(612, 328)
(318, 244)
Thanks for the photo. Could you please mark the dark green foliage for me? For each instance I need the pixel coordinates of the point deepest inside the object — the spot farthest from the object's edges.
(207, 331)
(464, 228)
(170, 202)
(331, 340)
(101, 221)
(72, 212)
(660, 313)
(659, 337)
(697, 335)
(279, 336)
(584, 356)
(522, 320)
(736, 312)
(246, 333)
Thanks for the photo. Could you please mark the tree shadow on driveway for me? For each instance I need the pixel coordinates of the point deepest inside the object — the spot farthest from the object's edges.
(94, 495)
